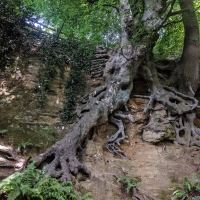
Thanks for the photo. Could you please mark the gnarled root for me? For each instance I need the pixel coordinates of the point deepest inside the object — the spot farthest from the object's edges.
(180, 110)
(63, 161)
(113, 143)
(11, 160)
(179, 107)
(9, 153)
(186, 132)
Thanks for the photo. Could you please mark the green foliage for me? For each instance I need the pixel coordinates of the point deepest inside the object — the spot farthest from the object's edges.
(81, 22)
(170, 42)
(191, 191)
(3, 131)
(75, 84)
(23, 145)
(11, 29)
(178, 194)
(84, 20)
(56, 54)
(32, 185)
(128, 183)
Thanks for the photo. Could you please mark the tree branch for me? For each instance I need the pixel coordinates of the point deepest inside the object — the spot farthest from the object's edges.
(41, 24)
(178, 12)
(166, 7)
(59, 30)
(168, 14)
(173, 22)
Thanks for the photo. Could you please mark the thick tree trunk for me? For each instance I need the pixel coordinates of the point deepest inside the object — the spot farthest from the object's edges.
(180, 105)
(188, 73)
(189, 63)
(103, 104)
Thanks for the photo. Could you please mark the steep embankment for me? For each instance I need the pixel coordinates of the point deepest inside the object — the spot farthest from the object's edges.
(160, 168)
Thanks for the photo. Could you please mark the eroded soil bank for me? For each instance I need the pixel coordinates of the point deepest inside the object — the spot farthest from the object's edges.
(29, 129)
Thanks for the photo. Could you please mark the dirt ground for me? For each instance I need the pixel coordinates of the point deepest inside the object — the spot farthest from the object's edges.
(160, 168)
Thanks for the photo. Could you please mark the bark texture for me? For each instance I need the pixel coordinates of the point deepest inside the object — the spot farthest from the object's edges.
(189, 62)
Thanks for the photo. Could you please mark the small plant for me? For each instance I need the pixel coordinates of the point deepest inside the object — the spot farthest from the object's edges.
(24, 145)
(191, 191)
(178, 194)
(3, 131)
(128, 183)
(39, 144)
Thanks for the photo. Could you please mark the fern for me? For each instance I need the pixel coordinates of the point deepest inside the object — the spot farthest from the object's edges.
(30, 176)
(187, 185)
(32, 185)
(128, 183)
(87, 196)
(190, 189)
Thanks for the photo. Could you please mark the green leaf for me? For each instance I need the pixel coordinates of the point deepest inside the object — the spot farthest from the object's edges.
(3, 131)
(14, 194)
(187, 185)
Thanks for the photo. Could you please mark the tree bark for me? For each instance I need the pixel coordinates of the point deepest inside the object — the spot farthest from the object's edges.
(189, 62)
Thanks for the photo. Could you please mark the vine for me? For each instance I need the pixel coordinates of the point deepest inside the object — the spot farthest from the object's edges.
(55, 53)
(74, 86)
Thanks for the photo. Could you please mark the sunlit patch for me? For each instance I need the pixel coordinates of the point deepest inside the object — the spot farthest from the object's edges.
(3, 160)
(19, 165)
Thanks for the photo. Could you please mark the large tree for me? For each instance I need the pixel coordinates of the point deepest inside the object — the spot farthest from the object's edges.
(140, 22)
(134, 27)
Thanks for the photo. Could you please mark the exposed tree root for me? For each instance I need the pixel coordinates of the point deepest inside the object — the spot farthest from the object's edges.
(9, 153)
(9, 159)
(61, 161)
(113, 143)
(180, 108)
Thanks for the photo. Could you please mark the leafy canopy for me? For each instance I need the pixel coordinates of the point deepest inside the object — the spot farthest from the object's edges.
(99, 23)
(82, 20)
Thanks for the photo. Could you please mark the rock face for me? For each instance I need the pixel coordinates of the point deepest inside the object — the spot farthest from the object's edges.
(164, 130)
(161, 133)
(25, 126)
